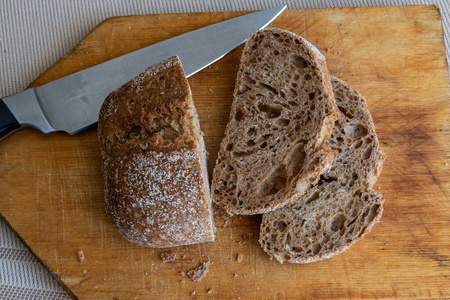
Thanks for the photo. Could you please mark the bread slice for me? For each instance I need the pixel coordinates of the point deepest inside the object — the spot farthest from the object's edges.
(337, 212)
(154, 158)
(282, 113)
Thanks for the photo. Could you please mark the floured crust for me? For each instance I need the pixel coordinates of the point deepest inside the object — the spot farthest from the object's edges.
(156, 188)
(342, 208)
(282, 113)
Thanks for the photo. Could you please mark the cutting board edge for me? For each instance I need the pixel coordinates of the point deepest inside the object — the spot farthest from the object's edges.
(53, 274)
(2, 217)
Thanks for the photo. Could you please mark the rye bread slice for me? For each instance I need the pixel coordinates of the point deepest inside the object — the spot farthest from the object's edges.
(154, 160)
(333, 215)
(282, 113)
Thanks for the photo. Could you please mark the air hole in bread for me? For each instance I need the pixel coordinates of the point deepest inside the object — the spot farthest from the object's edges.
(239, 115)
(242, 154)
(293, 93)
(363, 231)
(251, 131)
(296, 77)
(248, 79)
(290, 247)
(229, 147)
(355, 131)
(352, 222)
(279, 225)
(251, 143)
(312, 96)
(229, 168)
(313, 197)
(243, 88)
(338, 222)
(316, 248)
(325, 238)
(169, 133)
(263, 145)
(135, 131)
(373, 212)
(307, 77)
(269, 110)
(295, 160)
(274, 183)
(357, 144)
(282, 122)
(298, 61)
(345, 113)
(367, 152)
(276, 52)
(269, 88)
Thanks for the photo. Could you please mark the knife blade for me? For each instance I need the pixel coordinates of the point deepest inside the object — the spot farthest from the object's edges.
(72, 103)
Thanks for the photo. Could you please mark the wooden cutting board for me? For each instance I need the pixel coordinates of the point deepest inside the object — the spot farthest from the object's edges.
(51, 186)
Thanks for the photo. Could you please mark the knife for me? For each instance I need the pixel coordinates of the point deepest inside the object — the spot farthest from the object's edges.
(72, 103)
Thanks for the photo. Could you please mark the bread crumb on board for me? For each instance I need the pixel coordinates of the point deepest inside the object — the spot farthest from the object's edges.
(239, 257)
(200, 272)
(81, 257)
(193, 293)
(209, 291)
(168, 256)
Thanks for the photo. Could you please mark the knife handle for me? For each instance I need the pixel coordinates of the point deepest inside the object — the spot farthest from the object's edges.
(8, 123)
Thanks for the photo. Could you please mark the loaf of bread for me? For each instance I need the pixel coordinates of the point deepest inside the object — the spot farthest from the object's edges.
(337, 212)
(154, 160)
(282, 113)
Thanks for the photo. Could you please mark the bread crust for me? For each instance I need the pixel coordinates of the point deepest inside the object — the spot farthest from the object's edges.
(272, 150)
(332, 216)
(156, 187)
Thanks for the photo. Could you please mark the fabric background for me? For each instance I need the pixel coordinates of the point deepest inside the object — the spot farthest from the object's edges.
(34, 34)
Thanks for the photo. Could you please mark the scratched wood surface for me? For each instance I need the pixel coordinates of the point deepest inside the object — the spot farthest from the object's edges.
(51, 186)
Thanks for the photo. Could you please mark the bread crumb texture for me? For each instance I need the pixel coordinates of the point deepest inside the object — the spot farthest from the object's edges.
(200, 272)
(168, 256)
(81, 257)
(155, 189)
(282, 113)
(337, 212)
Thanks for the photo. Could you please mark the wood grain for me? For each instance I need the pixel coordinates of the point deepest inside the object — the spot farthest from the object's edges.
(51, 186)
